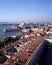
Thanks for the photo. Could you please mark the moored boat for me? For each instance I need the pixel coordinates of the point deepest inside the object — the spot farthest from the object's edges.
(12, 29)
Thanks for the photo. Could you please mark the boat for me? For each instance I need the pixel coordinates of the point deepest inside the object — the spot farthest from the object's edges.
(12, 29)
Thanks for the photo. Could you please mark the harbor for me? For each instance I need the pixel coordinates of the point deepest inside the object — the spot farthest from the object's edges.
(8, 30)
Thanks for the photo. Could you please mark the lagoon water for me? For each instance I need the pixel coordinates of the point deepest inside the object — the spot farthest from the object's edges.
(6, 34)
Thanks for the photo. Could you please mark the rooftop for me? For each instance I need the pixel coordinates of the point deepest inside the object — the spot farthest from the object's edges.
(22, 54)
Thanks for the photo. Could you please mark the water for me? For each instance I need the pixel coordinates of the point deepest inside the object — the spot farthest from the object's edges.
(6, 34)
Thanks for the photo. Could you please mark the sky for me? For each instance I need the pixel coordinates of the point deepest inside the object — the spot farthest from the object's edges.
(25, 10)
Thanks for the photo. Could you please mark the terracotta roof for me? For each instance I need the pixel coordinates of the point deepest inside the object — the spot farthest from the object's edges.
(25, 53)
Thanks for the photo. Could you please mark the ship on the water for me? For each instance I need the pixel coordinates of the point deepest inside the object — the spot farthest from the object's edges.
(14, 28)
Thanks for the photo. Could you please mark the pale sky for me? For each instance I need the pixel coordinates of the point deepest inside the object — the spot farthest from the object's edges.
(25, 10)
